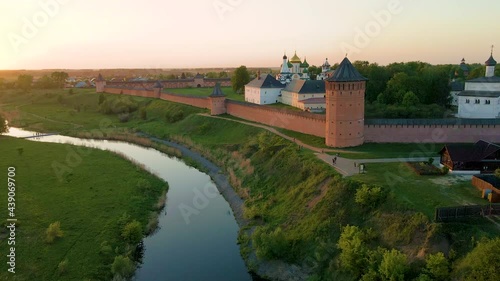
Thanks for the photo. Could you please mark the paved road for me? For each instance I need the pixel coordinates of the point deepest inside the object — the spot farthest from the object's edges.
(346, 167)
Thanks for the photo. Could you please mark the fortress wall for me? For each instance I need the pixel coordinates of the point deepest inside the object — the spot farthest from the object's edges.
(131, 92)
(303, 122)
(431, 133)
(201, 102)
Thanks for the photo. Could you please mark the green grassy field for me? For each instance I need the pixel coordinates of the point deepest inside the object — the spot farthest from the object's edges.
(88, 202)
(423, 193)
(228, 91)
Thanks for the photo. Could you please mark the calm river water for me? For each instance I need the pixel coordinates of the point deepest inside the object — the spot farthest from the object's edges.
(200, 246)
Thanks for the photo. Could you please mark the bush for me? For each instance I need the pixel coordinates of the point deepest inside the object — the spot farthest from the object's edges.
(62, 267)
(482, 262)
(437, 266)
(368, 196)
(174, 115)
(102, 98)
(124, 117)
(71, 92)
(132, 232)
(270, 245)
(393, 266)
(3, 125)
(143, 114)
(122, 267)
(53, 232)
(143, 185)
(352, 245)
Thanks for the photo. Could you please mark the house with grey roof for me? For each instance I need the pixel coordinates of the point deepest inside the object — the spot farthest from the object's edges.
(481, 96)
(264, 89)
(308, 95)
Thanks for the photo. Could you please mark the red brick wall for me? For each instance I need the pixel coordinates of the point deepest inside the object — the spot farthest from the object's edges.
(304, 122)
(201, 102)
(131, 92)
(432, 133)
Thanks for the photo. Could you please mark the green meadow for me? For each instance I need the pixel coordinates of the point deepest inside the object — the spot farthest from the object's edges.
(89, 200)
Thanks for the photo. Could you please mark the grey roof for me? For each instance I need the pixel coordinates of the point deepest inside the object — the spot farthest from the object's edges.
(265, 82)
(491, 61)
(457, 86)
(493, 79)
(346, 73)
(217, 92)
(100, 78)
(485, 94)
(306, 86)
(158, 85)
(199, 76)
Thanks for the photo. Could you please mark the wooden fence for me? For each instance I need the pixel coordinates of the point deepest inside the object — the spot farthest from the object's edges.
(448, 214)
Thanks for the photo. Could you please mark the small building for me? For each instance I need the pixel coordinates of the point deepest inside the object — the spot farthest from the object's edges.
(482, 156)
(264, 89)
(456, 88)
(307, 95)
(481, 97)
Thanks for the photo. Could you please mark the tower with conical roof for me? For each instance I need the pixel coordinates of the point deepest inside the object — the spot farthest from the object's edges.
(490, 65)
(217, 101)
(345, 106)
(157, 89)
(100, 83)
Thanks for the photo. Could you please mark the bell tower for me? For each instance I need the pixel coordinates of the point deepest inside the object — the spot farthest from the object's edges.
(345, 106)
(100, 83)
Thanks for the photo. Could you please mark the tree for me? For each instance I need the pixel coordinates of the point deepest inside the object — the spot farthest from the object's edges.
(183, 75)
(132, 232)
(410, 99)
(353, 249)
(367, 196)
(53, 232)
(24, 82)
(3, 125)
(437, 266)
(240, 78)
(482, 263)
(393, 266)
(223, 74)
(122, 266)
(59, 78)
(45, 82)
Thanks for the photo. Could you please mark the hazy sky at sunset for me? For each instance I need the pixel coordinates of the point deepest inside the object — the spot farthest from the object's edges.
(228, 33)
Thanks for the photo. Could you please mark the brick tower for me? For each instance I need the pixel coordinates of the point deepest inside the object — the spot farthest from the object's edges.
(345, 106)
(100, 83)
(157, 89)
(217, 101)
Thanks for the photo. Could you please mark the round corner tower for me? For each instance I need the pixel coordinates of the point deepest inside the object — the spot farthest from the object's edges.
(217, 101)
(345, 106)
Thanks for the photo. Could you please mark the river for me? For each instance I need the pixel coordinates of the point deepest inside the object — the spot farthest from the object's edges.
(198, 232)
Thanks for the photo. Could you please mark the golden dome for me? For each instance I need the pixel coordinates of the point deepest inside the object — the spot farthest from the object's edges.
(295, 59)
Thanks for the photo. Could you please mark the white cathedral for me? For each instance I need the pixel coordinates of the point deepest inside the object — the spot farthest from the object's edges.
(481, 96)
(295, 69)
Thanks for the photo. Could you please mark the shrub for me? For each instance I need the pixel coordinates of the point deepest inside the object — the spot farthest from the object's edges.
(425, 169)
(368, 196)
(53, 232)
(102, 98)
(3, 125)
(122, 267)
(393, 266)
(482, 262)
(437, 266)
(132, 232)
(105, 248)
(270, 245)
(174, 115)
(62, 267)
(143, 185)
(71, 92)
(20, 151)
(124, 118)
(353, 249)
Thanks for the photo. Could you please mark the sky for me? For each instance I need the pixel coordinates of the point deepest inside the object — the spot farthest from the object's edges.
(99, 34)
